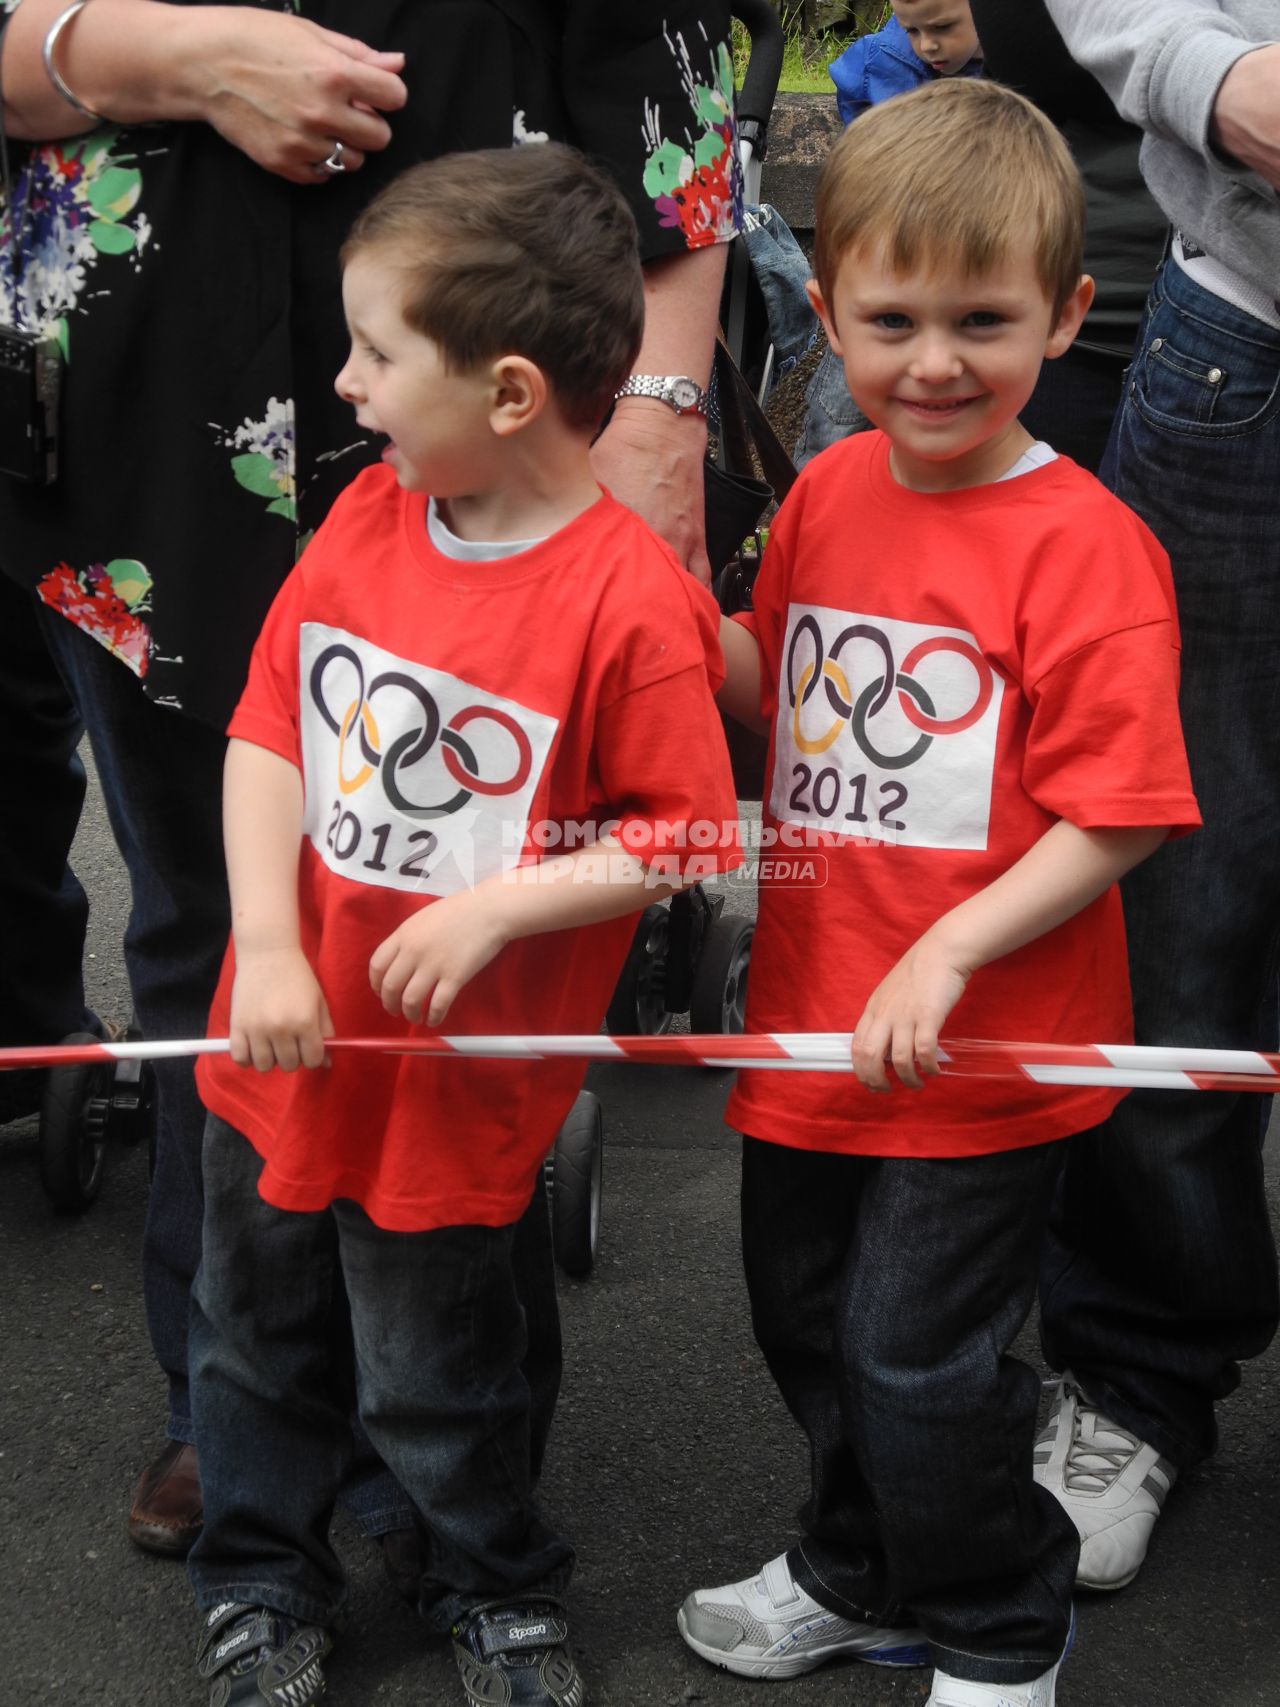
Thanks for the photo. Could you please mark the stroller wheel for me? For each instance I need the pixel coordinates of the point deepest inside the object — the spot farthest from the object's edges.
(718, 1001)
(577, 1164)
(639, 1007)
(74, 1116)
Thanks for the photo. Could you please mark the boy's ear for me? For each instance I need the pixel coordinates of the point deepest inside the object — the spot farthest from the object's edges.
(519, 394)
(813, 290)
(1073, 312)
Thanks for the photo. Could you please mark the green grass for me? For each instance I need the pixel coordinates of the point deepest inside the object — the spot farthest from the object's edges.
(805, 58)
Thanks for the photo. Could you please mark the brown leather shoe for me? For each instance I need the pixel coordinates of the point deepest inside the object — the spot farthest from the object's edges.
(168, 1508)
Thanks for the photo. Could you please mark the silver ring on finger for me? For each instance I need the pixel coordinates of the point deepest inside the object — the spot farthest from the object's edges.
(335, 162)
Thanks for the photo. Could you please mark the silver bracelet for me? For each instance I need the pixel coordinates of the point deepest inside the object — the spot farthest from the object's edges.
(51, 70)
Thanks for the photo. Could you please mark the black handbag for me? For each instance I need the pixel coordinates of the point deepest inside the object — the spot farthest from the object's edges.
(736, 496)
(737, 499)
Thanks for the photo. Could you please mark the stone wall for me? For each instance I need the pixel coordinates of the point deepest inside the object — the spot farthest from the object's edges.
(801, 132)
(835, 14)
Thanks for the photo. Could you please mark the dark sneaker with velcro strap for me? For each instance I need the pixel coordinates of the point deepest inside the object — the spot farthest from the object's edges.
(516, 1656)
(253, 1657)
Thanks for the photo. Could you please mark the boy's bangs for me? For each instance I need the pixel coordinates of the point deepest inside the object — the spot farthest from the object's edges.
(940, 239)
(954, 177)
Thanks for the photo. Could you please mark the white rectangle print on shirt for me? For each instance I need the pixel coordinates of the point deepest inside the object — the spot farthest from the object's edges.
(886, 730)
(413, 778)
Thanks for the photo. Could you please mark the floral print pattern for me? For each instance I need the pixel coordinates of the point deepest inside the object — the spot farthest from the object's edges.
(520, 132)
(77, 203)
(266, 458)
(109, 601)
(696, 184)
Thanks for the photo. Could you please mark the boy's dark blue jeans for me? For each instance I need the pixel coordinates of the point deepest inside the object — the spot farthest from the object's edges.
(885, 1294)
(438, 1334)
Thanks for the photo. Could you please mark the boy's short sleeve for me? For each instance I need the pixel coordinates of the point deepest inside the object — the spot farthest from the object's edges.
(1105, 749)
(1100, 660)
(267, 714)
(659, 752)
(661, 755)
(665, 768)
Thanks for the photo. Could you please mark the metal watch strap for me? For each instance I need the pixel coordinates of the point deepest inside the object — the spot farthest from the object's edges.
(677, 390)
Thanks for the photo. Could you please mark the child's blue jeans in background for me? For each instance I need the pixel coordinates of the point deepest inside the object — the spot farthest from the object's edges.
(885, 1294)
(438, 1334)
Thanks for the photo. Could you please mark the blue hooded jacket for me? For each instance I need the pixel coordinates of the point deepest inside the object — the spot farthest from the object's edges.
(875, 67)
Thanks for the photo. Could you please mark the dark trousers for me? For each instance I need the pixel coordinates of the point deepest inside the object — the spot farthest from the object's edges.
(43, 908)
(885, 1295)
(161, 776)
(1074, 402)
(434, 1321)
(1160, 1270)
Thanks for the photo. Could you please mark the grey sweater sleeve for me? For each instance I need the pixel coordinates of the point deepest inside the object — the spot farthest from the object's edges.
(1163, 61)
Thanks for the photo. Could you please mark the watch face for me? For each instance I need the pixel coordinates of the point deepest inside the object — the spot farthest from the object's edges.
(685, 393)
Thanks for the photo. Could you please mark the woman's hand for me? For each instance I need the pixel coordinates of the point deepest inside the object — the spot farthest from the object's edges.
(1246, 112)
(278, 87)
(653, 462)
(284, 91)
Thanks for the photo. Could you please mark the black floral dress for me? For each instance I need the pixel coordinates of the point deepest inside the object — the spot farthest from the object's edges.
(197, 301)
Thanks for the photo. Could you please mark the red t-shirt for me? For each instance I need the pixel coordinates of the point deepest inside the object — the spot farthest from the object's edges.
(948, 674)
(450, 719)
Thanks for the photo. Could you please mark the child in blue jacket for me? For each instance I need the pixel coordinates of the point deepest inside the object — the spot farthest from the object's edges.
(923, 39)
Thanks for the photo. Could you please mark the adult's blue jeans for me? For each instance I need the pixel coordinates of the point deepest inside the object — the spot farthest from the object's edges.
(438, 1334)
(885, 1295)
(1159, 1273)
(830, 413)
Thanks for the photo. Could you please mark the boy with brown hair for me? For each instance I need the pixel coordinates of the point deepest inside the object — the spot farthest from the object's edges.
(968, 654)
(479, 647)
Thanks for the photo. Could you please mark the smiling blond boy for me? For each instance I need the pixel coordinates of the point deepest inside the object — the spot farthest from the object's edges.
(967, 653)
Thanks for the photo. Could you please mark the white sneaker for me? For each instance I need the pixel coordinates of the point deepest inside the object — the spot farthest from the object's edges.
(959, 1692)
(1111, 1485)
(951, 1691)
(767, 1626)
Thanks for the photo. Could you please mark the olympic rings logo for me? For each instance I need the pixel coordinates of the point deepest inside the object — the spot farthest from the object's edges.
(819, 666)
(361, 753)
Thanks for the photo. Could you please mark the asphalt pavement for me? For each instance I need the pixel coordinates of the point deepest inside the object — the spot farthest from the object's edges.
(673, 1463)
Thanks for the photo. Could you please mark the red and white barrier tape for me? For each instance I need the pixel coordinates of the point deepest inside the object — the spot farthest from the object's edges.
(1121, 1065)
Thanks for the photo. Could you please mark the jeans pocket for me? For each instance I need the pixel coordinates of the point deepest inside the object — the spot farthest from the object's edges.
(1196, 378)
(828, 395)
(830, 413)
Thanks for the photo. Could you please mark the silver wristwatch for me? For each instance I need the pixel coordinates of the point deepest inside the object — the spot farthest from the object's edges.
(677, 391)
